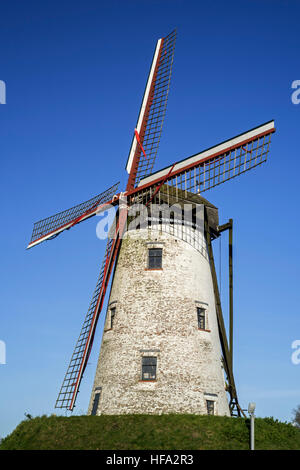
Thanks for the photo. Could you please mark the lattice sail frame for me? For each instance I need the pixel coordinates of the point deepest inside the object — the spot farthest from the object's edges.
(72, 379)
(51, 226)
(152, 112)
(214, 166)
(158, 108)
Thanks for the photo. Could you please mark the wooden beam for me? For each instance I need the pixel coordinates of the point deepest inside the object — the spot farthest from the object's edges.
(222, 331)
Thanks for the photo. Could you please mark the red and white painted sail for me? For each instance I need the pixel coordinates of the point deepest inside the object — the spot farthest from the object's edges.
(217, 164)
(148, 129)
(143, 109)
(52, 226)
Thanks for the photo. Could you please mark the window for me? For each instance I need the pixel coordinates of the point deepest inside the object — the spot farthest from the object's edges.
(155, 258)
(112, 316)
(210, 405)
(149, 368)
(96, 400)
(201, 318)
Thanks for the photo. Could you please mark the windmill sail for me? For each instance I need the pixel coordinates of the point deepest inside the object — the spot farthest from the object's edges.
(216, 165)
(69, 389)
(80, 355)
(151, 117)
(51, 226)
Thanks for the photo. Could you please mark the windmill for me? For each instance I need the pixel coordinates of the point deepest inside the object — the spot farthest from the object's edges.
(164, 346)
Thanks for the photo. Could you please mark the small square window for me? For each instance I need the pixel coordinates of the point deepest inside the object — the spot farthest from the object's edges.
(149, 365)
(201, 318)
(210, 405)
(155, 258)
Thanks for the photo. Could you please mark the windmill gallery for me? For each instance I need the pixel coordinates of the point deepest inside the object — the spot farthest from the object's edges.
(164, 346)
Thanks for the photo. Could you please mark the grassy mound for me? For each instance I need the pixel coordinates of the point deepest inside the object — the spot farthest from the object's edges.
(136, 432)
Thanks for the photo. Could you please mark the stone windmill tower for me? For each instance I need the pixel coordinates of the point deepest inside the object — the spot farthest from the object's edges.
(164, 347)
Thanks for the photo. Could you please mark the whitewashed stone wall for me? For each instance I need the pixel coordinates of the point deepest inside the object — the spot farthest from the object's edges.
(156, 316)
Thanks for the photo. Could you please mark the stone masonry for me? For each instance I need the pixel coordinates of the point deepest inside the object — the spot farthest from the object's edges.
(156, 316)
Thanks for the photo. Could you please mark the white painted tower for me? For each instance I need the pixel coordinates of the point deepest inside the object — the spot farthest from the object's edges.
(161, 349)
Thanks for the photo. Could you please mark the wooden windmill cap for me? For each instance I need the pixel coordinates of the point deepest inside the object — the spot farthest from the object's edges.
(172, 195)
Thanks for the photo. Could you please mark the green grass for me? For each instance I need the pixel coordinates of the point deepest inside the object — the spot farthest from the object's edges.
(150, 432)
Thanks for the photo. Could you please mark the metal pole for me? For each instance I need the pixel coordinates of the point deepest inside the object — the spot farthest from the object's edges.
(251, 410)
(252, 431)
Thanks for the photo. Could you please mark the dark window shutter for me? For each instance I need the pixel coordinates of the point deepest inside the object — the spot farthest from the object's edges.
(96, 403)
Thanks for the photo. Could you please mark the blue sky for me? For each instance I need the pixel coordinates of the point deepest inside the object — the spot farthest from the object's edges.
(75, 74)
